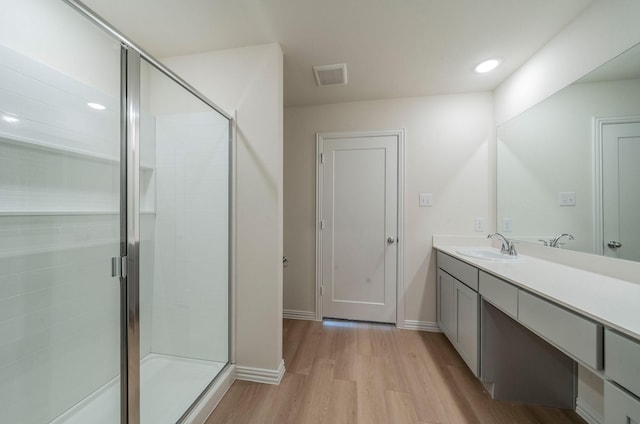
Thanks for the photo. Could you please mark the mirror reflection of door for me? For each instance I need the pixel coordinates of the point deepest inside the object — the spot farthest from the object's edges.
(620, 193)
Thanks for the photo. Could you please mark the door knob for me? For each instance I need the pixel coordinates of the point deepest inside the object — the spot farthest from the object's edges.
(614, 244)
(390, 240)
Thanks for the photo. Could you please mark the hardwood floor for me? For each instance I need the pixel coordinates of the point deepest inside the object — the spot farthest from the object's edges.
(344, 372)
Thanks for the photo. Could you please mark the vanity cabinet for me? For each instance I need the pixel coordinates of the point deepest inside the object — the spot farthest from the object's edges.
(523, 338)
(622, 388)
(499, 293)
(579, 337)
(458, 311)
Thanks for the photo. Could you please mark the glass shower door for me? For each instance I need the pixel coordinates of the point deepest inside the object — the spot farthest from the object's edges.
(59, 217)
(184, 247)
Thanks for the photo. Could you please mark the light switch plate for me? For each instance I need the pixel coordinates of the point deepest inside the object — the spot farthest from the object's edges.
(507, 225)
(478, 224)
(567, 198)
(425, 200)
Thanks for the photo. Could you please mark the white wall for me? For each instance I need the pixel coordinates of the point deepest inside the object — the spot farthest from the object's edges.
(249, 80)
(604, 30)
(448, 144)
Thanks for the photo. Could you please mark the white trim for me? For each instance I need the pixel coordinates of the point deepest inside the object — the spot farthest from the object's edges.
(400, 321)
(319, 189)
(400, 134)
(598, 124)
(597, 185)
(261, 375)
(233, 264)
(212, 397)
(302, 315)
(422, 326)
(587, 413)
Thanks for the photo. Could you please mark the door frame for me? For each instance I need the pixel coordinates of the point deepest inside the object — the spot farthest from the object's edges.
(400, 136)
(598, 201)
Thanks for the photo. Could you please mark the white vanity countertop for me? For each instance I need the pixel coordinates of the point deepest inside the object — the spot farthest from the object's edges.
(612, 302)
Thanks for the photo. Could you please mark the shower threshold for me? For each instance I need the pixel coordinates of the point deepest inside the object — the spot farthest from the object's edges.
(168, 386)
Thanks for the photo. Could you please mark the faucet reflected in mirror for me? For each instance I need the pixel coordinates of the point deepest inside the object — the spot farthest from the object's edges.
(555, 242)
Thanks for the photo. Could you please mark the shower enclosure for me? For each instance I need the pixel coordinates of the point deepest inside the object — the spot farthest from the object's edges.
(114, 227)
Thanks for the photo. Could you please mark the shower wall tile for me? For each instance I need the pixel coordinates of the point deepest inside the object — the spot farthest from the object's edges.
(59, 310)
(60, 178)
(190, 311)
(59, 313)
(52, 107)
(45, 181)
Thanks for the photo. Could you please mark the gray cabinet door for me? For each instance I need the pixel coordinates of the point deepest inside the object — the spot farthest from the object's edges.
(467, 325)
(447, 305)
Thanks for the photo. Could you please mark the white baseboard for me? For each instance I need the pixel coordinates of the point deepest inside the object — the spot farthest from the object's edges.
(587, 413)
(261, 375)
(212, 397)
(422, 326)
(303, 315)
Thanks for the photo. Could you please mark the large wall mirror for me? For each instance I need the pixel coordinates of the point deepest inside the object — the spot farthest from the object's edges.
(568, 169)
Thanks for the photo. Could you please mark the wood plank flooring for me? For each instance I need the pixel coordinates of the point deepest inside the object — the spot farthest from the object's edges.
(359, 373)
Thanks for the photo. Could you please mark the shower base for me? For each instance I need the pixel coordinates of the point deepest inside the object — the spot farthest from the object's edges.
(168, 386)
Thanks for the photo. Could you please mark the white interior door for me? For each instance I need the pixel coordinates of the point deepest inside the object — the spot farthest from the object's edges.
(359, 221)
(620, 195)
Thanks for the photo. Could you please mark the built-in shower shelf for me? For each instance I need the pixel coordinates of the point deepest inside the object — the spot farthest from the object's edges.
(63, 150)
(65, 213)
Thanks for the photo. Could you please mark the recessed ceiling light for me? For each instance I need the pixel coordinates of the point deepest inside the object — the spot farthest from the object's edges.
(96, 106)
(487, 66)
(10, 119)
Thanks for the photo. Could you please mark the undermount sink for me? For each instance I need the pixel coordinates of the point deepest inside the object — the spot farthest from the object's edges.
(489, 254)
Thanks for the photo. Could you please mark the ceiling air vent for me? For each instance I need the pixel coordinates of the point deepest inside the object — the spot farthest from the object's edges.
(330, 75)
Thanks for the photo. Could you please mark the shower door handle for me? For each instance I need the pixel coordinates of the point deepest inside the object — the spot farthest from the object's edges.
(119, 266)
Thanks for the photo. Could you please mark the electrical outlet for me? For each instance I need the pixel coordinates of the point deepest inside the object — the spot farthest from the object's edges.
(567, 198)
(507, 225)
(478, 224)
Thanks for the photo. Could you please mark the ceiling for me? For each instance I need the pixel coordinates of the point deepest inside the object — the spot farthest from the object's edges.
(392, 48)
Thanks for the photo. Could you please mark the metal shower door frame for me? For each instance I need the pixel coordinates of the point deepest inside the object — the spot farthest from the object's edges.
(130, 238)
(131, 59)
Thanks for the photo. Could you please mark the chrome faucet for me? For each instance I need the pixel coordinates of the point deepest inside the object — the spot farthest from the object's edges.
(507, 246)
(554, 242)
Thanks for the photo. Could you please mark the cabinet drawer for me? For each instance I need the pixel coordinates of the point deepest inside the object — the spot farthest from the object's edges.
(619, 406)
(622, 361)
(460, 270)
(500, 293)
(574, 334)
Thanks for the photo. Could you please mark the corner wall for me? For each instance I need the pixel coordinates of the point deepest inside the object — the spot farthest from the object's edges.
(250, 81)
(449, 145)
